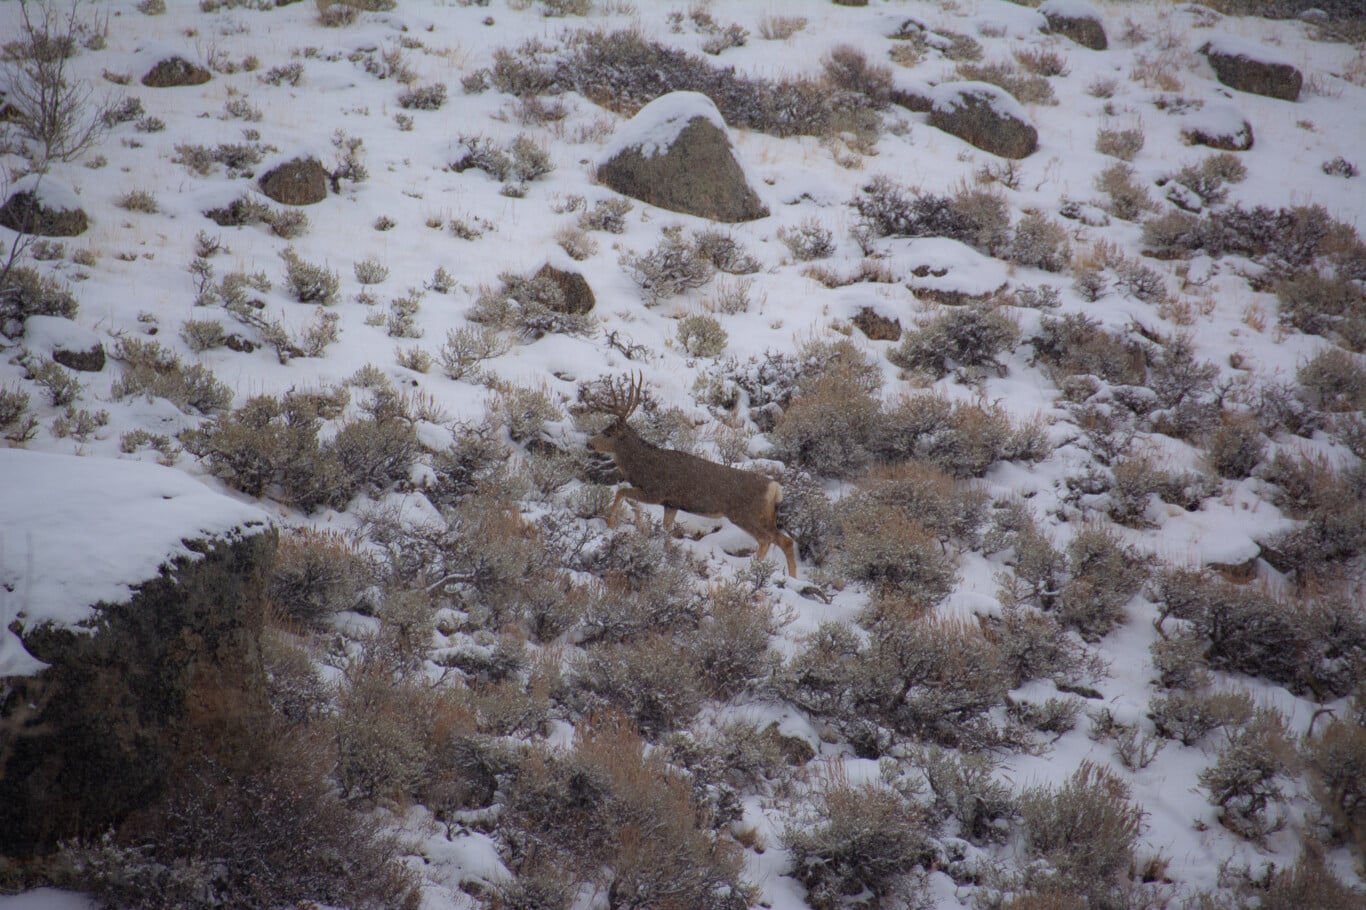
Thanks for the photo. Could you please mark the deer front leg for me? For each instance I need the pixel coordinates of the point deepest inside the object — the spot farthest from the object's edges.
(622, 493)
(669, 515)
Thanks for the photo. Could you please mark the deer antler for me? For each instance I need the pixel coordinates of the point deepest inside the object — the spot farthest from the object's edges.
(619, 395)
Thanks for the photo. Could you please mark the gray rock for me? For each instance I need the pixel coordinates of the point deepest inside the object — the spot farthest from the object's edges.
(301, 181)
(984, 116)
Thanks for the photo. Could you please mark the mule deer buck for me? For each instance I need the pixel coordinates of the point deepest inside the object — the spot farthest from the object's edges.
(679, 481)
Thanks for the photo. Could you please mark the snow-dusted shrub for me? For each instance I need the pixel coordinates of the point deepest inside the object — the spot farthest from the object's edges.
(1086, 829)
(309, 283)
(948, 509)
(674, 266)
(828, 429)
(26, 292)
(1027, 88)
(866, 839)
(1207, 180)
(60, 384)
(888, 209)
(1039, 243)
(1333, 380)
(1340, 167)
(1248, 776)
(623, 71)
(1179, 661)
(1075, 345)
(465, 348)
(645, 679)
(1128, 199)
(808, 240)
(380, 735)
(1042, 62)
(969, 338)
(1034, 645)
(1104, 575)
(730, 646)
(1246, 629)
(587, 809)
(268, 830)
(371, 270)
(138, 201)
(1139, 478)
(988, 212)
(607, 215)
(150, 369)
(531, 305)
(702, 336)
(523, 410)
(884, 547)
(522, 161)
(723, 251)
(1190, 716)
(1308, 883)
(1121, 144)
(316, 574)
(13, 406)
(1333, 307)
(203, 334)
(965, 788)
(846, 69)
(376, 452)
(267, 442)
(1236, 447)
(424, 98)
(807, 515)
(1336, 759)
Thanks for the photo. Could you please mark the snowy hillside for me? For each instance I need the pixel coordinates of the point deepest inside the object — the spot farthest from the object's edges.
(1070, 442)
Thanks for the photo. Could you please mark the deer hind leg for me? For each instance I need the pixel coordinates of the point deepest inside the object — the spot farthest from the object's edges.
(790, 551)
(669, 515)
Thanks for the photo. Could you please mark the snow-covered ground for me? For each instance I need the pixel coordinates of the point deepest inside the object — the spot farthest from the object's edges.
(130, 273)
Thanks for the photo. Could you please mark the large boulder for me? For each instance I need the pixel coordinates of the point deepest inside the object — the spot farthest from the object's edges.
(1249, 67)
(301, 181)
(575, 295)
(1075, 20)
(985, 116)
(1218, 126)
(676, 154)
(44, 206)
(140, 599)
(174, 72)
(73, 346)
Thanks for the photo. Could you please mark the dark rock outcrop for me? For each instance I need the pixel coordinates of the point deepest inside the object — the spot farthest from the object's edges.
(876, 326)
(697, 173)
(90, 738)
(1077, 23)
(26, 213)
(1245, 69)
(174, 72)
(575, 295)
(85, 361)
(301, 181)
(984, 116)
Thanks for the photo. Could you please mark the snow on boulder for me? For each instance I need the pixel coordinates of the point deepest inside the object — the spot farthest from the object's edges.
(73, 346)
(133, 600)
(84, 531)
(1076, 20)
(175, 71)
(985, 116)
(949, 272)
(675, 153)
(42, 205)
(1219, 126)
(1250, 67)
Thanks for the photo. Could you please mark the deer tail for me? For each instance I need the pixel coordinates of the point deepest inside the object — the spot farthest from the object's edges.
(774, 495)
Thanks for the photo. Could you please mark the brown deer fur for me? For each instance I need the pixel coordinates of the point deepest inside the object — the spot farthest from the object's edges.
(679, 481)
